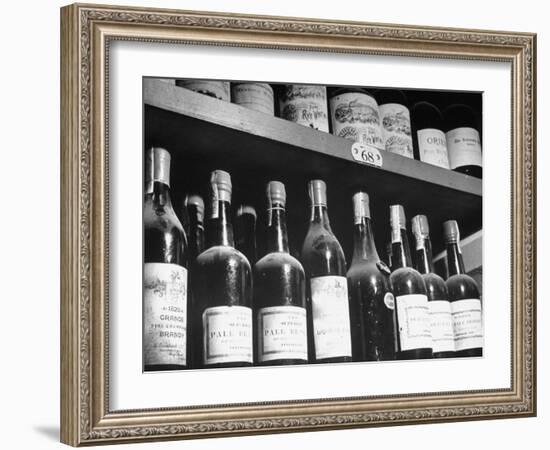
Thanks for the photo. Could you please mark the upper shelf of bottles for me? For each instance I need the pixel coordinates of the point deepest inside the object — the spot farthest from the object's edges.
(210, 134)
(168, 97)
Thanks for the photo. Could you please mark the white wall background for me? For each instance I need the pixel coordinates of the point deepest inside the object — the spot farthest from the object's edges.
(29, 229)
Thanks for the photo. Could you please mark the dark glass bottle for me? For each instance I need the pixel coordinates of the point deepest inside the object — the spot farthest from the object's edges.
(194, 205)
(372, 303)
(279, 292)
(429, 139)
(396, 121)
(464, 297)
(412, 317)
(222, 288)
(443, 343)
(327, 289)
(164, 271)
(463, 140)
(245, 230)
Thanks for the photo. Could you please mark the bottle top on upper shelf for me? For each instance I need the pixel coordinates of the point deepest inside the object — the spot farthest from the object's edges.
(460, 115)
(397, 217)
(385, 96)
(317, 192)
(361, 206)
(334, 90)
(276, 192)
(451, 234)
(157, 167)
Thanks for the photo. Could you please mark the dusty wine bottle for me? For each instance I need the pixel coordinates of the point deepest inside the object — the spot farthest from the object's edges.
(372, 302)
(428, 137)
(164, 271)
(327, 289)
(464, 297)
(222, 288)
(441, 321)
(412, 316)
(256, 96)
(355, 116)
(194, 206)
(305, 104)
(396, 122)
(463, 140)
(245, 232)
(217, 89)
(279, 292)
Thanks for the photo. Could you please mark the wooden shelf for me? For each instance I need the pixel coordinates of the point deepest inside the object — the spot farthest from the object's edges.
(204, 133)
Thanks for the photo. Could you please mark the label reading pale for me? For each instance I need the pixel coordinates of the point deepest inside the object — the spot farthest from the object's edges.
(413, 316)
(464, 147)
(432, 146)
(306, 105)
(331, 322)
(355, 116)
(441, 326)
(227, 334)
(256, 96)
(468, 329)
(396, 129)
(282, 332)
(164, 314)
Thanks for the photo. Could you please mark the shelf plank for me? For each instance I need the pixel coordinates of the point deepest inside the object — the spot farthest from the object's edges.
(169, 97)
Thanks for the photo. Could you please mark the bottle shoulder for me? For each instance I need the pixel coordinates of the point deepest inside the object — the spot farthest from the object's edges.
(461, 286)
(222, 254)
(407, 280)
(278, 259)
(435, 287)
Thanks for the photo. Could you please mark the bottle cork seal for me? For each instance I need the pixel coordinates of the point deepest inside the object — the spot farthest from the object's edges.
(157, 167)
(420, 227)
(361, 206)
(450, 231)
(397, 217)
(221, 185)
(197, 201)
(246, 209)
(276, 192)
(317, 192)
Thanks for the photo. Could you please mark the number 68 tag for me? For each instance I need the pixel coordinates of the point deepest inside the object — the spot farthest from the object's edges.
(366, 154)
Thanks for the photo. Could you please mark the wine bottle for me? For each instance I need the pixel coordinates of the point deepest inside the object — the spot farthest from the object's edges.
(464, 297)
(463, 140)
(412, 316)
(279, 292)
(245, 230)
(327, 289)
(396, 122)
(164, 271)
(429, 139)
(372, 302)
(443, 344)
(222, 288)
(389, 253)
(194, 205)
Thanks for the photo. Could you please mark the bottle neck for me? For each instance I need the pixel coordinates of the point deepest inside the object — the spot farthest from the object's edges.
(455, 263)
(424, 261)
(319, 215)
(159, 194)
(363, 241)
(401, 254)
(222, 233)
(277, 238)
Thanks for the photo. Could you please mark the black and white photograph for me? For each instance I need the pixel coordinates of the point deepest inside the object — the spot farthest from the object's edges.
(289, 224)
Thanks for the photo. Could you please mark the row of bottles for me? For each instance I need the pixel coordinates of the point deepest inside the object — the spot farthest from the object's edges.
(282, 310)
(380, 118)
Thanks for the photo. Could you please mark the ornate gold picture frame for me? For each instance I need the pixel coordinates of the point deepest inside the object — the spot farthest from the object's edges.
(87, 31)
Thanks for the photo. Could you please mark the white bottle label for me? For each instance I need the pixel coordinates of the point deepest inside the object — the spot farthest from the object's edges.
(256, 96)
(306, 105)
(441, 326)
(464, 147)
(227, 334)
(468, 328)
(331, 322)
(282, 332)
(355, 116)
(164, 314)
(396, 129)
(432, 146)
(413, 316)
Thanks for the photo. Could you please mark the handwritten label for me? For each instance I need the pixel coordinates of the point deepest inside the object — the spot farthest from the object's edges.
(366, 154)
